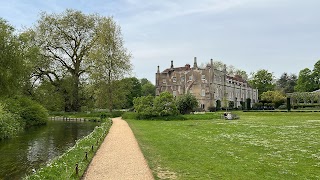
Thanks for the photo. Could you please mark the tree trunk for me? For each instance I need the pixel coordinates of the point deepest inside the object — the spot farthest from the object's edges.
(75, 94)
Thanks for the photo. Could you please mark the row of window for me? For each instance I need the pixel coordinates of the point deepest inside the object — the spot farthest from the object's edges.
(174, 79)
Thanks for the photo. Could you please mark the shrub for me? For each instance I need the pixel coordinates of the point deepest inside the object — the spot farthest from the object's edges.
(218, 103)
(30, 111)
(231, 104)
(10, 124)
(186, 103)
(248, 104)
(282, 107)
(164, 105)
(288, 104)
(144, 106)
(212, 109)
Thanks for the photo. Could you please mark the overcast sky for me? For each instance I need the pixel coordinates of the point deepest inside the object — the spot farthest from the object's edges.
(277, 35)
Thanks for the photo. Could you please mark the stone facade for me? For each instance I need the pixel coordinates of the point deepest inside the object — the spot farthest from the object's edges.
(207, 84)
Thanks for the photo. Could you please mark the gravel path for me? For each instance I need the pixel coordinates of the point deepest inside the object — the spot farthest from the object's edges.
(119, 156)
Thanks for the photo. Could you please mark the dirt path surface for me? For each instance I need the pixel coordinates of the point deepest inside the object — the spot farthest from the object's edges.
(119, 156)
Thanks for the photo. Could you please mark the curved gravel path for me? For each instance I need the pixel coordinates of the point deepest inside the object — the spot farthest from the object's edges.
(119, 156)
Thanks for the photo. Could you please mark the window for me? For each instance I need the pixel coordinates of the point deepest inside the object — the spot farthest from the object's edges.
(174, 93)
(190, 78)
(182, 79)
(164, 81)
(203, 77)
(203, 92)
(174, 79)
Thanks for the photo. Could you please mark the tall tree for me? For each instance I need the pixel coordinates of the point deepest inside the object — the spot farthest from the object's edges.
(110, 59)
(133, 90)
(263, 81)
(67, 43)
(65, 40)
(286, 83)
(144, 81)
(147, 88)
(306, 81)
(316, 74)
(11, 60)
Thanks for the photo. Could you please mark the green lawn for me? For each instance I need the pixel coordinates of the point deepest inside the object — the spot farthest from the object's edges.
(258, 146)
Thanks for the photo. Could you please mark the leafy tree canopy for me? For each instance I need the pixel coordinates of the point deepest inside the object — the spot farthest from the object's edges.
(263, 81)
(11, 60)
(305, 82)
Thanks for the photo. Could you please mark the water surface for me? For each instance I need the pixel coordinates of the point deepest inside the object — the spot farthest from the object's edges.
(30, 149)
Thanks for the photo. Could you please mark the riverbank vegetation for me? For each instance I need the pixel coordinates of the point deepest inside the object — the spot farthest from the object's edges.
(17, 114)
(73, 163)
(258, 146)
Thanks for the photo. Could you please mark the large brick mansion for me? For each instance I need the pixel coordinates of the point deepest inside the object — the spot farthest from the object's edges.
(207, 84)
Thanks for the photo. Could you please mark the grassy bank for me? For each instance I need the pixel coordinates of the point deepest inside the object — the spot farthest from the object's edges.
(80, 155)
(258, 146)
(88, 114)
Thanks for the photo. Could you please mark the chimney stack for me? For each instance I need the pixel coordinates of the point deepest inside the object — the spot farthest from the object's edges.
(171, 64)
(158, 70)
(195, 63)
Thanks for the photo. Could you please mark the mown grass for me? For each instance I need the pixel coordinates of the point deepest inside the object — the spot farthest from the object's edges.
(64, 166)
(258, 146)
(207, 116)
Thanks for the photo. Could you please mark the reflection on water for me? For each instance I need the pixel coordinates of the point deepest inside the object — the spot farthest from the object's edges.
(18, 156)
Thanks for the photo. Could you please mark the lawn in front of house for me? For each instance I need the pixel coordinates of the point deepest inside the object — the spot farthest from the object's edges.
(258, 146)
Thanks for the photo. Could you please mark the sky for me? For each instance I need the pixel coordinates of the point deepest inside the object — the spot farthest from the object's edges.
(276, 35)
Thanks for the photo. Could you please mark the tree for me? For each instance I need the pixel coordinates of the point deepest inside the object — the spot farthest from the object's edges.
(119, 94)
(305, 82)
(286, 83)
(77, 45)
(164, 105)
(263, 81)
(218, 65)
(133, 89)
(243, 74)
(148, 89)
(316, 75)
(275, 97)
(144, 81)
(186, 103)
(11, 60)
(110, 59)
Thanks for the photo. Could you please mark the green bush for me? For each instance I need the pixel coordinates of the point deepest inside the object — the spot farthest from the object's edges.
(144, 106)
(164, 105)
(186, 103)
(10, 124)
(33, 113)
(282, 107)
(212, 109)
(30, 111)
